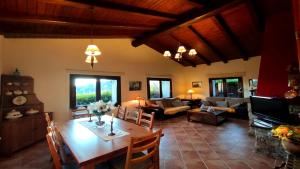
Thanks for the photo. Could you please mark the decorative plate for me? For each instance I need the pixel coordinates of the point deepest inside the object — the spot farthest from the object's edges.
(19, 100)
(18, 92)
(14, 116)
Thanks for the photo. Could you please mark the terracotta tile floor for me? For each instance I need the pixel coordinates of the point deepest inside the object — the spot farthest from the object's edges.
(186, 145)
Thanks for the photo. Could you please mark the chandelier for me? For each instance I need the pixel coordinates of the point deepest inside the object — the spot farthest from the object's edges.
(181, 49)
(92, 50)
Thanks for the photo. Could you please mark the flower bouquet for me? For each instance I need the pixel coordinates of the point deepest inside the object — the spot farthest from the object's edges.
(290, 137)
(100, 108)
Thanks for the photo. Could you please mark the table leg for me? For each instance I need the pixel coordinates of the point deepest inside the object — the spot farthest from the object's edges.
(188, 116)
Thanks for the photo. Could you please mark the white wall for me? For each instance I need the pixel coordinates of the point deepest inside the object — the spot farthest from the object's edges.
(247, 69)
(50, 61)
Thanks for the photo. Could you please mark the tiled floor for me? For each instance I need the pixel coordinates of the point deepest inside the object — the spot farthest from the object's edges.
(185, 145)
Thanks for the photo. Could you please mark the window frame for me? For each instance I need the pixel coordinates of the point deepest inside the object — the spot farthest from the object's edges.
(98, 87)
(241, 84)
(160, 87)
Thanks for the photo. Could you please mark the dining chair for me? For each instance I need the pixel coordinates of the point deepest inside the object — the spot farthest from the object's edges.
(79, 112)
(121, 113)
(57, 151)
(146, 119)
(48, 119)
(136, 158)
(132, 116)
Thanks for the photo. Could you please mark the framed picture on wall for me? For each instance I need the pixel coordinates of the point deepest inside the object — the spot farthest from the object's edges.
(253, 83)
(197, 84)
(135, 85)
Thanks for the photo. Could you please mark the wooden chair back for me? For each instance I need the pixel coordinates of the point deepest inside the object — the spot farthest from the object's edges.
(121, 113)
(132, 116)
(53, 151)
(146, 120)
(148, 143)
(79, 112)
(48, 119)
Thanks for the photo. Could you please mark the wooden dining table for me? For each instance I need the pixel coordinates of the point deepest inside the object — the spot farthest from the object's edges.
(89, 149)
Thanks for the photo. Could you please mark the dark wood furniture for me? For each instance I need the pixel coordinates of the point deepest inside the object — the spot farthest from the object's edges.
(214, 118)
(22, 132)
(89, 149)
(194, 103)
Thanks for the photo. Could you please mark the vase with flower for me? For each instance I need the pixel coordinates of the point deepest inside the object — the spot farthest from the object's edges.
(99, 109)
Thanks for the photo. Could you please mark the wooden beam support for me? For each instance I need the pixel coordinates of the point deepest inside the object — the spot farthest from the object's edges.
(185, 20)
(125, 8)
(232, 36)
(201, 2)
(207, 61)
(44, 20)
(210, 45)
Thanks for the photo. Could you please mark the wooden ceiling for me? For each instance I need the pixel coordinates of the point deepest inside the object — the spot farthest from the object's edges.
(220, 30)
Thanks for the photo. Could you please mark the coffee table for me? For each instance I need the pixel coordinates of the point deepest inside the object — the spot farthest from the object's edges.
(214, 118)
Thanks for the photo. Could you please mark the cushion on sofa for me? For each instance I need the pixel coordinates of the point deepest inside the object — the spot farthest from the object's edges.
(215, 99)
(177, 102)
(174, 110)
(234, 101)
(208, 103)
(221, 103)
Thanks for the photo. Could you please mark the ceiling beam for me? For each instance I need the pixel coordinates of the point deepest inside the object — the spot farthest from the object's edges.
(220, 20)
(185, 20)
(207, 61)
(210, 45)
(201, 2)
(125, 8)
(62, 22)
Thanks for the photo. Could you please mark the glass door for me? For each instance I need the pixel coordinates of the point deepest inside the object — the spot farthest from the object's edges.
(226, 87)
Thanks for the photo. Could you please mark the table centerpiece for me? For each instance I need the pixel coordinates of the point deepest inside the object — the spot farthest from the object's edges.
(99, 109)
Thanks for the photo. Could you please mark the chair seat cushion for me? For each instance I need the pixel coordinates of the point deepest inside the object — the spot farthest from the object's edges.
(119, 162)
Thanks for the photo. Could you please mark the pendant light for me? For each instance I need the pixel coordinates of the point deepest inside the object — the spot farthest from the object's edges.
(92, 50)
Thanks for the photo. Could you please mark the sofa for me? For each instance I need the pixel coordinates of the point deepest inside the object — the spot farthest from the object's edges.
(235, 107)
(165, 107)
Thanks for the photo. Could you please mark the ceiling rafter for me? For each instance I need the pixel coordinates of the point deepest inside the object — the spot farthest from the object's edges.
(207, 61)
(185, 20)
(220, 20)
(126, 8)
(55, 21)
(210, 45)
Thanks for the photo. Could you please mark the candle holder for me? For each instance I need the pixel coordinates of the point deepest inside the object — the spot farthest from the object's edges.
(111, 129)
(90, 115)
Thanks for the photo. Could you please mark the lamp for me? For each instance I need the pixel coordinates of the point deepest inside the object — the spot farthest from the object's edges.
(181, 49)
(92, 50)
(192, 52)
(167, 53)
(191, 91)
(139, 98)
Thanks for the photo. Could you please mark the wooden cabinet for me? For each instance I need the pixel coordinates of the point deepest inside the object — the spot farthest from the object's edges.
(19, 133)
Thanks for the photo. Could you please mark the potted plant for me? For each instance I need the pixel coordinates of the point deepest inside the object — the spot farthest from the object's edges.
(290, 138)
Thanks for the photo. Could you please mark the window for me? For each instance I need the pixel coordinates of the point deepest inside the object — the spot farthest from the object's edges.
(159, 88)
(226, 87)
(85, 89)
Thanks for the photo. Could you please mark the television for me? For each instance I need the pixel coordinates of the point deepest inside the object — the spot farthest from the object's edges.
(271, 109)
